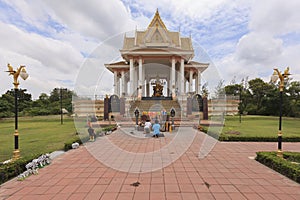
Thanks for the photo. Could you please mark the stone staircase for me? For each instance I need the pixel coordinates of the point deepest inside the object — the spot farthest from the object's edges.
(155, 106)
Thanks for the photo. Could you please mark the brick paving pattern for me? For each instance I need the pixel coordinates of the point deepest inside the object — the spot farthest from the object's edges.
(227, 172)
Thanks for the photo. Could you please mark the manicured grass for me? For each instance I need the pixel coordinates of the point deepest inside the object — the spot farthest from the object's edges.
(45, 134)
(37, 135)
(257, 128)
(266, 126)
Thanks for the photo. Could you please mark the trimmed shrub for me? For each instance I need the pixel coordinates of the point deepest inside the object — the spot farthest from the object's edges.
(13, 169)
(281, 165)
(225, 138)
(68, 145)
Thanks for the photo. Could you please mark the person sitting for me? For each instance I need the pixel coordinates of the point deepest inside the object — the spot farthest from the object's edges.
(147, 126)
(156, 129)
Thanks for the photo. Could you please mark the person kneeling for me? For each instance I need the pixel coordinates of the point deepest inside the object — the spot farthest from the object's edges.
(156, 129)
(147, 126)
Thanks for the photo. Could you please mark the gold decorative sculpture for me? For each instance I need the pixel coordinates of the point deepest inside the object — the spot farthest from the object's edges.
(157, 90)
(277, 74)
(20, 71)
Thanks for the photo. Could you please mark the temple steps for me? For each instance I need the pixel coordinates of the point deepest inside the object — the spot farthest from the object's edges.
(155, 106)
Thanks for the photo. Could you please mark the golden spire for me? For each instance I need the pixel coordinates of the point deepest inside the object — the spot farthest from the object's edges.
(156, 21)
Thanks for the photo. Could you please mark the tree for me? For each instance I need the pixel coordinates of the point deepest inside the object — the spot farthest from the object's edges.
(8, 99)
(258, 88)
(5, 108)
(233, 90)
(66, 100)
(294, 99)
(204, 90)
(219, 90)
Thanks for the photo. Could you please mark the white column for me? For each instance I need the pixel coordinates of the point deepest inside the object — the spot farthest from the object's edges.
(173, 78)
(198, 83)
(191, 81)
(140, 79)
(143, 80)
(123, 82)
(185, 86)
(131, 76)
(136, 78)
(182, 82)
(119, 88)
(116, 82)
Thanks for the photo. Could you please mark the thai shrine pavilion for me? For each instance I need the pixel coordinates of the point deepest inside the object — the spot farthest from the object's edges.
(157, 65)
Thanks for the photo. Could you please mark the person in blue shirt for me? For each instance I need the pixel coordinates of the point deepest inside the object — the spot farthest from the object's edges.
(156, 129)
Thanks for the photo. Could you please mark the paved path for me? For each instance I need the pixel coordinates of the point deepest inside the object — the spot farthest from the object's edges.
(226, 172)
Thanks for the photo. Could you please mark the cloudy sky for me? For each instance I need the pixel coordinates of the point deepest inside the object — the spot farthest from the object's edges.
(53, 38)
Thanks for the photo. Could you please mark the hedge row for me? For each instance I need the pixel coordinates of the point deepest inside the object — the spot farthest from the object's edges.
(281, 165)
(229, 138)
(13, 169)
(68, 145)
(257, 139)
(292, 156)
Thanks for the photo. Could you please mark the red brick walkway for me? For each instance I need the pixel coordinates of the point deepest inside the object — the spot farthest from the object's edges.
(226, 172)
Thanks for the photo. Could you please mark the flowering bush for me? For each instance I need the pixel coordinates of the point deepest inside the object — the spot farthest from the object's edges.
(34, 165)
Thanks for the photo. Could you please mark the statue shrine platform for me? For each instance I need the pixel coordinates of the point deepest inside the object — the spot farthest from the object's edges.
(157, 98)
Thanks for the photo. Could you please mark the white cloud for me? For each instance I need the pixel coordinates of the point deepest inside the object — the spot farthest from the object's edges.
(264, 47)
(258, 48)
(275, 16)
(97, 19)
(46, 59)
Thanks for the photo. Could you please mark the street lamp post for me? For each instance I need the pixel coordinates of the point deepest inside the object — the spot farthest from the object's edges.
(61, 111)
(16, 73)
(61, 108)
(278, 75)
(240, 104)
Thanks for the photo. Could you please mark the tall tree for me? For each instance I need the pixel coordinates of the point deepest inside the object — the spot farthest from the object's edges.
(258, 88)
(219, 89)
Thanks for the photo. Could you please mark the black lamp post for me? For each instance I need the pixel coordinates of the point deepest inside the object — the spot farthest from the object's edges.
(172, 112)
(61, 108)
(240, 104)
(16, 73)
(277, 74)
(136, 113)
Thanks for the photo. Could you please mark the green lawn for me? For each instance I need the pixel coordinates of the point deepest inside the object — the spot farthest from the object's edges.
(261, 126)
(36, 135)
(45, 134)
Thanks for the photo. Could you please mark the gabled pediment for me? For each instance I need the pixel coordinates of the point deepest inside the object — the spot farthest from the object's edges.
(156, 33)
(157, 36)
(157, 22)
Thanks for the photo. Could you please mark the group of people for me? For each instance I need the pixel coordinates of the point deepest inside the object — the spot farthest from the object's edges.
(147, 129)
(156, 128)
